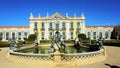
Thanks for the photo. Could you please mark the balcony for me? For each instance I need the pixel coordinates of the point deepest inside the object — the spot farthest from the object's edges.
(63, 29)
(42, 29)
(50, 28)
(78, 28)
(57, 28)
(35, 29)
(71, 28)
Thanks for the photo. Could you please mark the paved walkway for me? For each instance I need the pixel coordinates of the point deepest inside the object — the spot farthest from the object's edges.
(112, 61)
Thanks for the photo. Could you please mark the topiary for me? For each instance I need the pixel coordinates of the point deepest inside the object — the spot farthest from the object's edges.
(32, 37)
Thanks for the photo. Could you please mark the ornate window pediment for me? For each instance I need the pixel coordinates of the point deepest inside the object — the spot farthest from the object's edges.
(57, 16)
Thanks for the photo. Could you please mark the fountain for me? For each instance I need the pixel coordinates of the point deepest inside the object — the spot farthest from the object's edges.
(58, 52)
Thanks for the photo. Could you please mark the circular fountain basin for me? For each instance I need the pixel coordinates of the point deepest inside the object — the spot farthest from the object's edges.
(72, 56)
(46, 50)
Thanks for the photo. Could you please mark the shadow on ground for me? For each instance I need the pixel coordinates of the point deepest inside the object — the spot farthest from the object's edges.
(112, 66)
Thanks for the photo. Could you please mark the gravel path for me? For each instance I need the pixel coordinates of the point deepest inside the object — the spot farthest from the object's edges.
(112, 61)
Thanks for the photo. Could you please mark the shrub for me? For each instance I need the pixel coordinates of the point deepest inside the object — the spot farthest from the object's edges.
(85, 41)
(82, 36)
(45, 41)
(4, 44)
(69, 41)
(112, 42)
(31, 37)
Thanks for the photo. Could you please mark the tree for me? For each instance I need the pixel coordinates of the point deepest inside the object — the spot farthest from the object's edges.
(82, 36)
(32, 37)
(115, 32)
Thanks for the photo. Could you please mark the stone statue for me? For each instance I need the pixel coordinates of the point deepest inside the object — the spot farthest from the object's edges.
(13, 45)
(100, 43)
(78, 41)
(57, 42)
(36, 41)
(36, 48)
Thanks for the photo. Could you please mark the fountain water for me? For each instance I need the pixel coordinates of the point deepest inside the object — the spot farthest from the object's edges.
(54, 53)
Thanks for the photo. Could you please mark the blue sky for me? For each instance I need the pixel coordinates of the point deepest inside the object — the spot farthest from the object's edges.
(97, 12)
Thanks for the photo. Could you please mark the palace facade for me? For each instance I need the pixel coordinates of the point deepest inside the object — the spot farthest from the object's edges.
(45, 26)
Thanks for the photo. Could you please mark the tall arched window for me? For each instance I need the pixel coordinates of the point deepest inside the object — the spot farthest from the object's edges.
(43, 25)
(13, 35)
(106, 35)
(71, 25)
(100, 35)
(71, 35)
(50, 25)
(42, 35)
(63, 35)
(57, 25)
(19, 35)
(7, 35)
(94, 35)
(25, 35)
(35, 25)
(63, 25)
(1, 35)
(89, 35)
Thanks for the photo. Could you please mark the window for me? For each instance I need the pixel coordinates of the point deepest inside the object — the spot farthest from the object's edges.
(1, 35)
(100, 35)
(50, 34)
(78, 25)
(25, 33)
(63, 25)
(88, 34)
(13, 35)
(42, 35)
(71, 25)
(71, 35)
(35, 25)
(57, 25)
(7, 35)
(19, 35)
(94, 35)
(106, 35)
(43, 25)
(50, 25)
(63, 35)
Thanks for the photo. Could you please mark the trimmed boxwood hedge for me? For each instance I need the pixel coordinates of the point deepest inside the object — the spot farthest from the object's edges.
(4, 44)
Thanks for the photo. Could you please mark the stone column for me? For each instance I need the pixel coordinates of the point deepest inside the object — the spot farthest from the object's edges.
(67, 26)
(91, 32)
(46, 36)
(28, 33)
(10, 35)
(22, 34)
(31, 27)
(16, 33)
(103, 34)
(3, 37)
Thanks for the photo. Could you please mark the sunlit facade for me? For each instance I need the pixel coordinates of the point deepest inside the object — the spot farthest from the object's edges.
(68, 26)
(45, 26)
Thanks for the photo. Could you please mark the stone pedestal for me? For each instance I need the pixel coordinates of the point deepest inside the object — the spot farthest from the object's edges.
(57, 57)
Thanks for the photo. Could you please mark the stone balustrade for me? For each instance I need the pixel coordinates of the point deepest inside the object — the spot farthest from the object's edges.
(87, 57)
(80, 56)
(28, 56)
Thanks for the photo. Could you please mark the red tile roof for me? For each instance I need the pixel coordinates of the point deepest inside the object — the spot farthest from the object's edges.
(14, 26)
(99, 26)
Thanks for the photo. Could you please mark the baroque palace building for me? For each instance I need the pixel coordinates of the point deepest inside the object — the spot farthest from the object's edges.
(45, 26)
